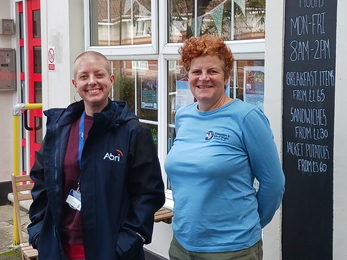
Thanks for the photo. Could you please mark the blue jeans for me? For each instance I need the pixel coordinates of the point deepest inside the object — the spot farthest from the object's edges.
(177, 252)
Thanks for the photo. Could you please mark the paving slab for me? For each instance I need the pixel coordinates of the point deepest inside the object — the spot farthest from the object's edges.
(6, 228)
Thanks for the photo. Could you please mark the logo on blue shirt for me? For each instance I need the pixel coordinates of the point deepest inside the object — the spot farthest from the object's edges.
(209, 135)
(217, 136)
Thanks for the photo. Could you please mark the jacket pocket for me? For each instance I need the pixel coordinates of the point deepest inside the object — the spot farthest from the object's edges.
(128, 244)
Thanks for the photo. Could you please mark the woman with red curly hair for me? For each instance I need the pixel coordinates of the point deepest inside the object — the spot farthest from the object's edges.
(222, 145)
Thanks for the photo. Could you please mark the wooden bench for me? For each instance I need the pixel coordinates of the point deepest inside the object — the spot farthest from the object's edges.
(164, 215)
(22, 191)
(28, 252)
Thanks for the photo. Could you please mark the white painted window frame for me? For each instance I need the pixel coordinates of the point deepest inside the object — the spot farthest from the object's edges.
(115, 52)
(162, 51)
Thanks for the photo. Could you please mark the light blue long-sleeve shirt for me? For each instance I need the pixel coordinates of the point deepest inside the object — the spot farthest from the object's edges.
(212, 165)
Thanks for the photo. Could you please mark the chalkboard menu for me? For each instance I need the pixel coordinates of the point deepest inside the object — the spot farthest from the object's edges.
(308, 128)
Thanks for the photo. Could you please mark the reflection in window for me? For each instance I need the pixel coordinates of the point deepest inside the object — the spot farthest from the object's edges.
(21, 26)
(24, 158)
(138, 86)
(154, 132)
(22, 100)
(229, 19)
(124, 22)
(36, 24)
(22, 91)
(246, 83)
(37, 60)
(22, 67)
(38, 130)
(249, 82)
(38, 92)
(140, 64)
(178, 95)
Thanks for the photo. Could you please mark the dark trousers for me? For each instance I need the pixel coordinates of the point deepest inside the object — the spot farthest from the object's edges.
(177, 252)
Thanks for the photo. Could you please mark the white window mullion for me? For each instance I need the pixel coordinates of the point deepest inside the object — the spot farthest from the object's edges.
(87, 27)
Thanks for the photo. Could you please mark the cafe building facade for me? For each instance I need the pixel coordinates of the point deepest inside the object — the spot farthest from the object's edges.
(288, 61)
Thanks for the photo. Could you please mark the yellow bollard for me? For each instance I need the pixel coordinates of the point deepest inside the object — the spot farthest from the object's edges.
(16, 154)
(16, 169)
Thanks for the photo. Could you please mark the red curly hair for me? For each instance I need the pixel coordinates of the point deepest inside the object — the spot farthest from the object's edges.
(206, 45)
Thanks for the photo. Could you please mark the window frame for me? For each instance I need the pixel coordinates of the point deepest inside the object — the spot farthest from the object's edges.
(127, 50)
(163, 51)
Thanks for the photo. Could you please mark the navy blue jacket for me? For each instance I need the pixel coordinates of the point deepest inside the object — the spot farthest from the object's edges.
(121, 185)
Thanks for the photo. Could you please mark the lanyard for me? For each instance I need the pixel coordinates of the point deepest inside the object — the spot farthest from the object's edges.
(80, 142)
(81, 138)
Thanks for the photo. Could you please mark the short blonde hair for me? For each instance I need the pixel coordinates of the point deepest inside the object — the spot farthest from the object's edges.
(94, 55)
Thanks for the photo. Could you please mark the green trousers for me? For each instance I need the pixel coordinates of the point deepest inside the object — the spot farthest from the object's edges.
(177, 252)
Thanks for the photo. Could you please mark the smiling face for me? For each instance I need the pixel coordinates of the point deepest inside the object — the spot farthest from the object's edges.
(93, 82)
(207, 80)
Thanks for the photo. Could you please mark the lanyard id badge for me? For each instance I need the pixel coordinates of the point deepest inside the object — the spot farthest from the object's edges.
(74, 197)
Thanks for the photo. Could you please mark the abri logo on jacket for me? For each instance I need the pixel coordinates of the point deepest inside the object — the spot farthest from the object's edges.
(114, 157)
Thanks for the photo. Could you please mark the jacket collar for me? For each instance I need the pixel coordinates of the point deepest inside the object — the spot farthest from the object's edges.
(114, 114)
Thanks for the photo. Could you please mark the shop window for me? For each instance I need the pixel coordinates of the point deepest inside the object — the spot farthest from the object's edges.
(247, 82)
(143, 27)
(136, 82)
(178, 95)
(154, 132)
(140, 64)
(129, 29)
(124, 22)
(229, 19)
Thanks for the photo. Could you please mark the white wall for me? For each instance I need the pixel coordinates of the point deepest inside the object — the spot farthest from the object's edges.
(7, 101)
(6, 129)
(340, 138)
(62, 28)
(273, 107)
(162, 236)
